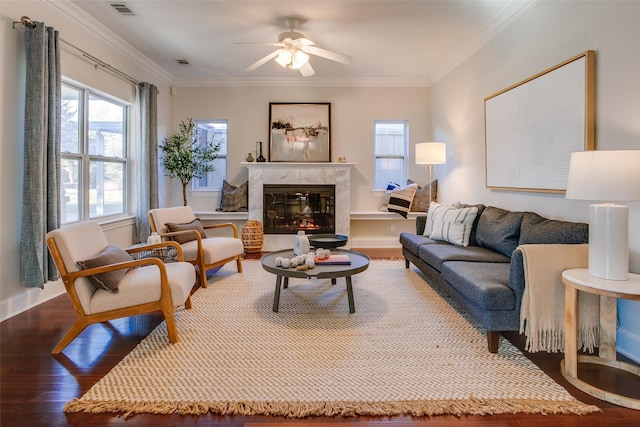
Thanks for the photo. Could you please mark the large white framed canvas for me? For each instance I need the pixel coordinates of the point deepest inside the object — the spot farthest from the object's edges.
(532, 127)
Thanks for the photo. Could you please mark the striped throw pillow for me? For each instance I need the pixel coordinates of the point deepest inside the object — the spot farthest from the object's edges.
(454, 225)
(435, 209)
(401, 199)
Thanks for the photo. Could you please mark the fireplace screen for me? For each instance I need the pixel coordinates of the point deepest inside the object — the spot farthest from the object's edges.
(289, 208)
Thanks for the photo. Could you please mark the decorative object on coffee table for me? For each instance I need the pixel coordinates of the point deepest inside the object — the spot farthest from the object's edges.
(327, 241)
(252, 236)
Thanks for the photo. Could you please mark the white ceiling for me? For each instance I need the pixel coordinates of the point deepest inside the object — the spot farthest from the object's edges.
(415, 42)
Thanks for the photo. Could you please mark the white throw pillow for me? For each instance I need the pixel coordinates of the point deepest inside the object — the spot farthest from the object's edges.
(454, 225)
(435, 209)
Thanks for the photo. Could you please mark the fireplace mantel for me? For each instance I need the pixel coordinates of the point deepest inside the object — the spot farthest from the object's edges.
(338, 174)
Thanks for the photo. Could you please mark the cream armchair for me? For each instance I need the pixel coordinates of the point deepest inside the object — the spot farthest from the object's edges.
(104, 282)
(202, 250)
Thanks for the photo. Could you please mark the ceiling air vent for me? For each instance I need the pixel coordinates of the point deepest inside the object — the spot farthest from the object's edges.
(122, 9)
(183, 62)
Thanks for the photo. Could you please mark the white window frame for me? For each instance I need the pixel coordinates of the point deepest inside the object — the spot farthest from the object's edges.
(85, 158)
(404, 157)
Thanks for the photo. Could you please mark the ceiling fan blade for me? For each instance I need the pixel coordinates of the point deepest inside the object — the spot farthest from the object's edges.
(307, 70)
(324, 53)
(263, 61)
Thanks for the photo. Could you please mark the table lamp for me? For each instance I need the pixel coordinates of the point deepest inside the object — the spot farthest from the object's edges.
(606, 176)
(431, 153)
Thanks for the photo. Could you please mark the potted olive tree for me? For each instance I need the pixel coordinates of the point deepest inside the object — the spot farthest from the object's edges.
(185, 157)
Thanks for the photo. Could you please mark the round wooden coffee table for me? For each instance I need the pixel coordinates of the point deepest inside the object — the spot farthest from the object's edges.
(359, 263)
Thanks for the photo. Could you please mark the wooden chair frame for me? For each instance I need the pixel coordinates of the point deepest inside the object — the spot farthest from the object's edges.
(199, 261)
(164, 304)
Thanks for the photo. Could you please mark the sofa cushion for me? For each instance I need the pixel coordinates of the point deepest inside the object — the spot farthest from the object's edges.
(412, 242)
(435, 255)
(499, 229)
(401, 199)
(486, 284)
(454, 225)
(536, 229)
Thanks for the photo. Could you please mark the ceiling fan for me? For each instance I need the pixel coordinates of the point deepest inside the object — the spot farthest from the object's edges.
(294, 50)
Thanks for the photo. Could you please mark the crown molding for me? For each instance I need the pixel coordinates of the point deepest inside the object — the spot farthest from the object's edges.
(299, 82)
(80, 18)
(502, 20)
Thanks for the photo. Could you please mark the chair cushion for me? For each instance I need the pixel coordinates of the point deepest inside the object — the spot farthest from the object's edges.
(142, 285)
(214, 249)
(234, 199)
(175, 215)
(110, 255)
(193, 225)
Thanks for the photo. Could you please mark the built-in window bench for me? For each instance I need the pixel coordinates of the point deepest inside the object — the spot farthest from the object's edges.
(222, 216)
(381, 215)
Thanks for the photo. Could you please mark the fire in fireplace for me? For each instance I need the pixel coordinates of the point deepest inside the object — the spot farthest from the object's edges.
(290, 208)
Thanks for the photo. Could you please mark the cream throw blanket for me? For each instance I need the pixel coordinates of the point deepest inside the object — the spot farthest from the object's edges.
(542, 311)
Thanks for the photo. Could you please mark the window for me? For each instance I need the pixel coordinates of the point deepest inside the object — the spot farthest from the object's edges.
(390, 149)
(93, 155)
(215, 132)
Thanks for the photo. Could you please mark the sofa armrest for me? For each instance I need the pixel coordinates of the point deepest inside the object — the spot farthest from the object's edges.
(421, 222)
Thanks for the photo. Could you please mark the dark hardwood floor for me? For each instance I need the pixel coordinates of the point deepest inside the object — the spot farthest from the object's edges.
(34, 385)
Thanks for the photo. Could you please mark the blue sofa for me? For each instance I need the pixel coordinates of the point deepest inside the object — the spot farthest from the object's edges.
(487, 277)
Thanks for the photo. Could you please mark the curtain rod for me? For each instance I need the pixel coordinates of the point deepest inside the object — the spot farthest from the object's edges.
(25, 21)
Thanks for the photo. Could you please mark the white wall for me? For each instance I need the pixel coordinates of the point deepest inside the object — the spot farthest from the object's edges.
(550, 33)
(14, 298)
(353, 111)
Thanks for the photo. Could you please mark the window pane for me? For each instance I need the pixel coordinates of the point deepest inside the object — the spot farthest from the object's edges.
(106, 128)
(389, 170)
(106, 188)
(70, 191)
(390, 138)
(70, 126)
(213, 132)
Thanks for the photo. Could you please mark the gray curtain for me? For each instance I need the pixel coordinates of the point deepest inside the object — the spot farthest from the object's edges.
(40, 196)
(148, 173)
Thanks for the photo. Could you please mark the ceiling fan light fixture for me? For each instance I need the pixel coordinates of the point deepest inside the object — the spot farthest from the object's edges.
(292, 58)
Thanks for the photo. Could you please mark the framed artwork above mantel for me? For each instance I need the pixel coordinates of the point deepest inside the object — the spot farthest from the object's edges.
(300, 132)
(532, 127)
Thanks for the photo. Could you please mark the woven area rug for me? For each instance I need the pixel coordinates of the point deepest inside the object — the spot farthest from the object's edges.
(405, 351)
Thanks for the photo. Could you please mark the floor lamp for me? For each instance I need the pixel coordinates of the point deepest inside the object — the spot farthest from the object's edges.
(606, 176)
(431, 153)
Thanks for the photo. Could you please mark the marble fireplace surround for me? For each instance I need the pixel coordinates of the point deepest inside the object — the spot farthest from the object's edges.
(338, 174)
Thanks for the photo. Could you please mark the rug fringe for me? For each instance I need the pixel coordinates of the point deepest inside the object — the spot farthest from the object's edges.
(458, 408)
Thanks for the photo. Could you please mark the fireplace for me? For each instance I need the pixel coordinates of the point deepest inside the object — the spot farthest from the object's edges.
(305, 175)
(290, 208)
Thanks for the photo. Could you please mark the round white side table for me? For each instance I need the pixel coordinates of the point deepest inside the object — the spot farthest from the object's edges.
(578, 279)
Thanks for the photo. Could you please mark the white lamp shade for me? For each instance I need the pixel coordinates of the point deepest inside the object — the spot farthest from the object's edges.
(604, 175)
(431, 153)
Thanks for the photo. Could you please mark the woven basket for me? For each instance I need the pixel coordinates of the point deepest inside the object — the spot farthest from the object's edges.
(252, 236)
